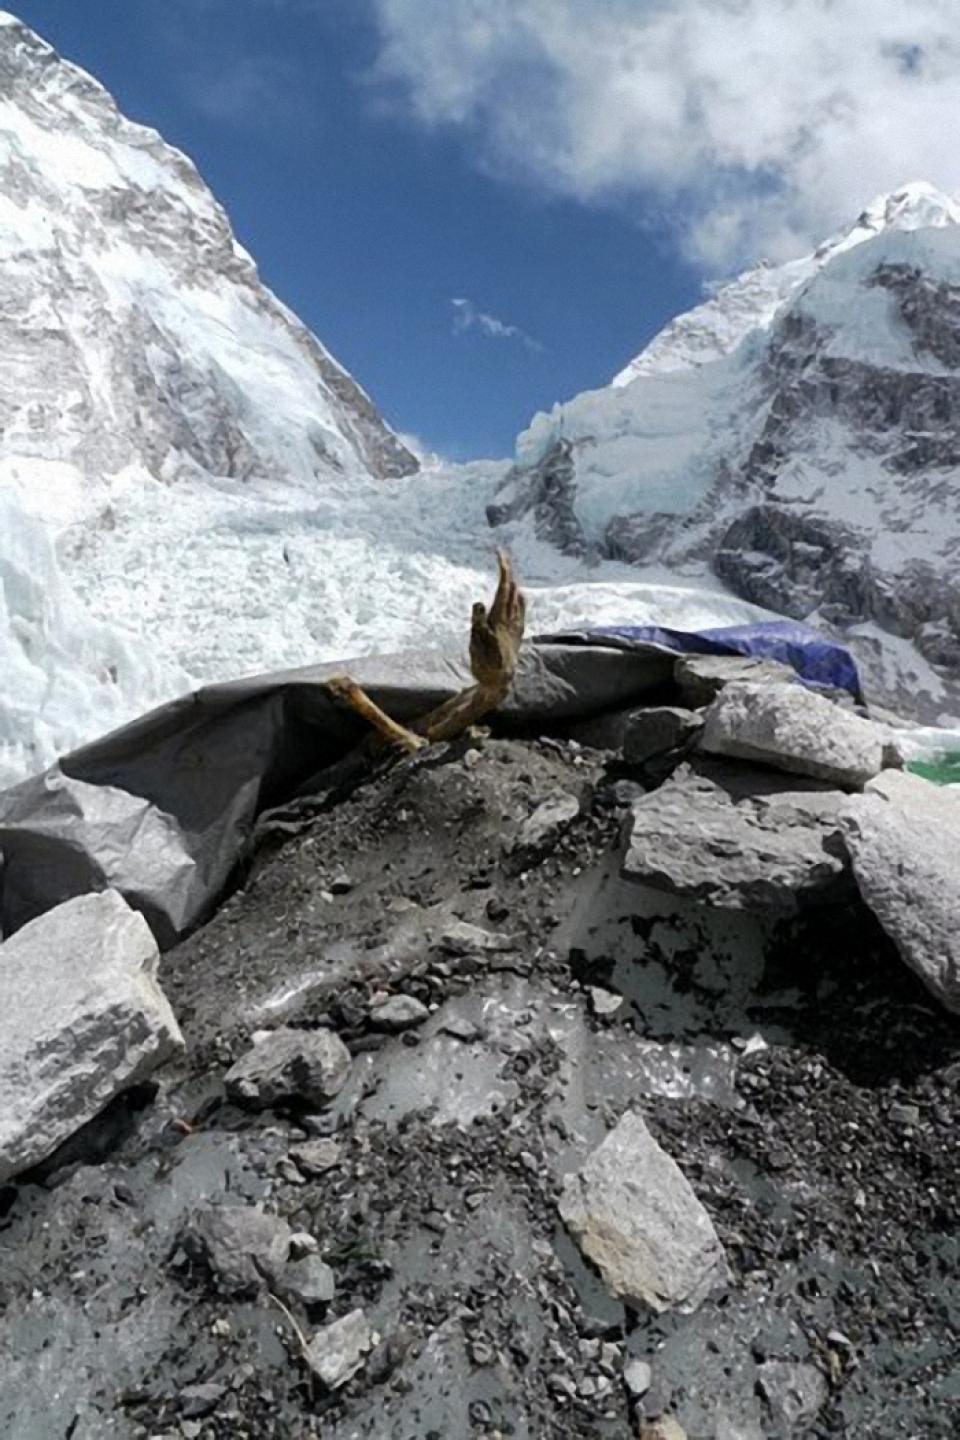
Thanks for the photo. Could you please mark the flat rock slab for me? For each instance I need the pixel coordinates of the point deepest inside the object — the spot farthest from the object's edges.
(81, 1019)
(548, 822)
(636, 1217)
(749, 841)
(306, 1067)
(903, 835)
(793, 729)
(700, 678)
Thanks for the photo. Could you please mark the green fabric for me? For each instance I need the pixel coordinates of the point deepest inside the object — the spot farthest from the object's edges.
(942, 769)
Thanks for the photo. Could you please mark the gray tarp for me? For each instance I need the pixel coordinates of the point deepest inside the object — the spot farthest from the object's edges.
(162, 809)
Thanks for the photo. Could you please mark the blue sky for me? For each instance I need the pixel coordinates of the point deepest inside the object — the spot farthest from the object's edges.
(370, 224)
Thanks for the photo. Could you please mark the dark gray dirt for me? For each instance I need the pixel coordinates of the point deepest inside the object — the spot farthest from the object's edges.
(800, 1076)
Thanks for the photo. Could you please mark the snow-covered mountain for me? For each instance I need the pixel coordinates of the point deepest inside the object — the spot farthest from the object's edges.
(191, 488)
(798, 435)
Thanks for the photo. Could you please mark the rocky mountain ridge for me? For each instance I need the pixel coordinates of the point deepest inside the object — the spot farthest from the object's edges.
(796, 436)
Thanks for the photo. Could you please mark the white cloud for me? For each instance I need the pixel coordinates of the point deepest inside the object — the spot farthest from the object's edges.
(466, 316)
(753, 125)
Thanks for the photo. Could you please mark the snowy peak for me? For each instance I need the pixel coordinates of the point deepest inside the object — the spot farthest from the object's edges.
(123, 289)
(798, 436)
(751, 300)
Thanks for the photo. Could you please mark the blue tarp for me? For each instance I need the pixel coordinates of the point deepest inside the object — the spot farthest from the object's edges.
(817, 660)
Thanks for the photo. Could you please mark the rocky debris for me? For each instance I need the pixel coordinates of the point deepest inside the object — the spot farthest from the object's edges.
(793, 729)
(700, 678)
(795, 1394)
(398, 1012)
(903, 835)
(310, 1280)
(82, 1018)
(753, 841)
(636, 1217)
(339, 1350)
(463, 938)
(303, 1067)
(659, 730)
(795, 1069)
(243, 1246)
(547, 823)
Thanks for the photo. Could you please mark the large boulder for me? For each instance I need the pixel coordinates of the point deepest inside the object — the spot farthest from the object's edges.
(636, 1217)
(903, 835)
(741, 839)
(81, 1019)
(794, 729)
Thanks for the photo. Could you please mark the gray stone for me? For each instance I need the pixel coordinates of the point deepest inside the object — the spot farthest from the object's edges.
(81, 1019)
(308, 1066)
(604, 1002)
(398, 1012)
(903, 835)
(196, 1400)
(700, 678)
(245, 1248)
(309, 1280)
(544, 827)
(462, 938)
(793, 729)
(316, 1156)
(794, 1393)
(637, 1377)
(636, 1217)
(664, 1427)
(337, 1352)
(658, 730)
(741, 840)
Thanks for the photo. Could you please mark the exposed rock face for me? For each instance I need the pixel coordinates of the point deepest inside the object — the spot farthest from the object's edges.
(739, 841)
(81, 1019)
(793, 729)
(903, 835)
(637, 1219)
(799, 434)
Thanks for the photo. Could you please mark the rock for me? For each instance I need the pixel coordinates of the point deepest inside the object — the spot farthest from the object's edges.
(81, 1019)
(792, 729)
(198, 1400)
(337, 1352)
(462, 938)
(637, 1377)
(700, 678)
(741, 840)
(305, 1066)
(244, 1247)
(903, 835)
(309, 1280)
(316, 1156)
(663, 1428)
(544, 827)
(604, 1002)
(341, 884)
(636, 1217)
(398, 1012)
(658, 730)
(794, 1393)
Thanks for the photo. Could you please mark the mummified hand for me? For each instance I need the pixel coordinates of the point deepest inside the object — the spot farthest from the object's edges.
(495, 637)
